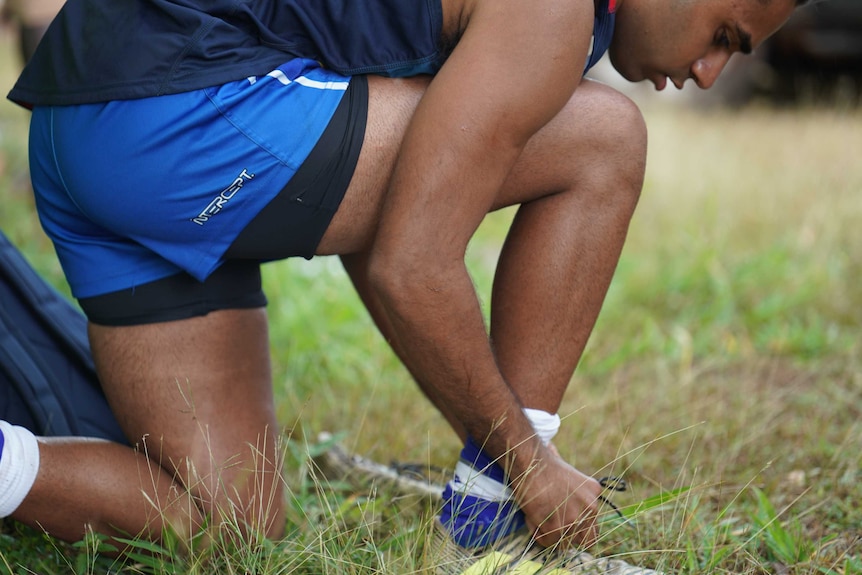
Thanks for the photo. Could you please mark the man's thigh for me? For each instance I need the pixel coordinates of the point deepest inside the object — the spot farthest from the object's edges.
(196, 394)
(595, 117)
(391, 103)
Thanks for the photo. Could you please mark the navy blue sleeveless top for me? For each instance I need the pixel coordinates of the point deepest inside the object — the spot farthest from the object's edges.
(101, 50)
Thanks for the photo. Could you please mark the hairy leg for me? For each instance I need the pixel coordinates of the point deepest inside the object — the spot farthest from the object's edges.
(562, 249)
(195, 397)
(210, 419)
(577, 181)
(109, 488)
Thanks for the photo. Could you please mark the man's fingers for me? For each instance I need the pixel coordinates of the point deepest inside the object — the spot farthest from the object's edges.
(583, 533)
(561, 530)
(561, 505)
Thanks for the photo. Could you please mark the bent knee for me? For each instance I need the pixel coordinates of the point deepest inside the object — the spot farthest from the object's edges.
(237, 485)
(612, 148)
(621, 133)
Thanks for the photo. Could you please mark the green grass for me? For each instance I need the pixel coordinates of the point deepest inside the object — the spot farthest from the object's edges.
(725, 369)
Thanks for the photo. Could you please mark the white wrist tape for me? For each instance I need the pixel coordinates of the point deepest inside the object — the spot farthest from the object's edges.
(19, 464)
(470, 481)
(545, 424)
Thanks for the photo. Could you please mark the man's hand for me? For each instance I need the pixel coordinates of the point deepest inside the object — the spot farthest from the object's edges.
(560, 502)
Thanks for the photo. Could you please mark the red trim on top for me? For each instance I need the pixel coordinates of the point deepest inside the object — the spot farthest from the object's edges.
(612, 6)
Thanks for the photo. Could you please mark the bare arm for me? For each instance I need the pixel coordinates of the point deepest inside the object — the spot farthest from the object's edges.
(514, 68)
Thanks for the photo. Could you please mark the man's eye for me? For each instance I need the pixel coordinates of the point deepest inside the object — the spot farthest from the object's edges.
(723, 40)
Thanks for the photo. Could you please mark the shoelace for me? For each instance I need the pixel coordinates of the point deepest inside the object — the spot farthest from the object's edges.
(418, 471)
(613, 483)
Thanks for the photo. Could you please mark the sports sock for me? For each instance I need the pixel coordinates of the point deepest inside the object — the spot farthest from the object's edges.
(478, 504)
(19, 464)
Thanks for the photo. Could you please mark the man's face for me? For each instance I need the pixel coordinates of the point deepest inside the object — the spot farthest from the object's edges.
(674, 40)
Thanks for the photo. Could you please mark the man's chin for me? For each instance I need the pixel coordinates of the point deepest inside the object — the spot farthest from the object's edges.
(627, 72)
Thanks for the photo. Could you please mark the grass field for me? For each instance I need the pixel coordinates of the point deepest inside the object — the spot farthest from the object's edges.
(726, 368)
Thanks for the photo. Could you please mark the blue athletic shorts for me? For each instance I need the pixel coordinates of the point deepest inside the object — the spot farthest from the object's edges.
(134, 192)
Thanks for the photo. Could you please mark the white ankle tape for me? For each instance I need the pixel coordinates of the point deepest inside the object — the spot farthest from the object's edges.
(471, 481)
(19, 464)
(545, 424)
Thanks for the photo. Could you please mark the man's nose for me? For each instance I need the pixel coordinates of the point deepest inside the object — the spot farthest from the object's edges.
(705, 71)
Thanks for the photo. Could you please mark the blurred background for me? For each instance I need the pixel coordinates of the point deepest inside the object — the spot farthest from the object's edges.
(27, 20)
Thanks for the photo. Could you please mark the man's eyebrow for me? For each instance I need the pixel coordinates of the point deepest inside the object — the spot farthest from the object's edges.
(744, 39)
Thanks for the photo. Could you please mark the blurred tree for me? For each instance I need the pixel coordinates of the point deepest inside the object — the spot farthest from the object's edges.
(30, 18)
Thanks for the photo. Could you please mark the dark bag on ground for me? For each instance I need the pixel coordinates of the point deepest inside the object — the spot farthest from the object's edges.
(48, 383)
